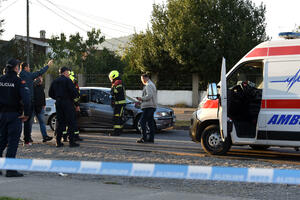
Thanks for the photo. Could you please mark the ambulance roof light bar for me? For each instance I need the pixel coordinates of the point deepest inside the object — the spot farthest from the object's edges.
(289, 35)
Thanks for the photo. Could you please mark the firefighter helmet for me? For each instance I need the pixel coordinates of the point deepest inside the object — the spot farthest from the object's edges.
(72, 77)
(113, 74)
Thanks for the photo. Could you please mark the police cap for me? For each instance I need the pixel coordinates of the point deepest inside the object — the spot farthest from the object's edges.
(63, 69)
(11, 63)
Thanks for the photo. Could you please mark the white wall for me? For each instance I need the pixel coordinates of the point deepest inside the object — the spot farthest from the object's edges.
(170, 97)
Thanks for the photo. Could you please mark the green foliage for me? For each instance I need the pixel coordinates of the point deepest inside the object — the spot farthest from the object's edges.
(82, 55)
(17, 49)
(192, 36)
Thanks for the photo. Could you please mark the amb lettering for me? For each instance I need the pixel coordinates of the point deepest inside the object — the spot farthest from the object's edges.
(284, 120)
(7, 84)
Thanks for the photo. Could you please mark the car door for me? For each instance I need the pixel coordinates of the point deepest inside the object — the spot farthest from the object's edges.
(101, 110)
(85, 110)
(223, 103)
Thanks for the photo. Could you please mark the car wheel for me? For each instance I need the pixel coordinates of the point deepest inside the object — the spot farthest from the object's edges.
(212, 143)
(259, 147)
(138, 126)
(52, 122)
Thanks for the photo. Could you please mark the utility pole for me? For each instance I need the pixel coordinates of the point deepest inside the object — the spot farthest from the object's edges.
(27, 43)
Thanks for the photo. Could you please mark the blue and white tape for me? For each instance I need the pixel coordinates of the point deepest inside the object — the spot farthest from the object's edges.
(280, 176)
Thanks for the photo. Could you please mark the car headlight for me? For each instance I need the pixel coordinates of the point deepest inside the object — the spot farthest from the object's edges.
(161, 114)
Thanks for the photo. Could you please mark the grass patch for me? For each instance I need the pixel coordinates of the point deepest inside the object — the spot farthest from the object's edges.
(180, 123)
(9, 198)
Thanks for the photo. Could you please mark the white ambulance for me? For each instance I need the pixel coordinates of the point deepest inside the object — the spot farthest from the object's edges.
(259, 98)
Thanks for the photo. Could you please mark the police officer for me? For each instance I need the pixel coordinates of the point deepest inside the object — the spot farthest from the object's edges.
(118, 101)
(64, 92)
(14, 98)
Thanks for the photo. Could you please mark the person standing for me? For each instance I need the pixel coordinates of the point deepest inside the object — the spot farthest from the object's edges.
(14, 99)
(77, 109)
(64, 92)
(29, 77)
(39, 106)
(148, 105)
(118, 101)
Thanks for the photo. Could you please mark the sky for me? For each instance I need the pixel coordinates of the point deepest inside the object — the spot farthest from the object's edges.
(115, 18)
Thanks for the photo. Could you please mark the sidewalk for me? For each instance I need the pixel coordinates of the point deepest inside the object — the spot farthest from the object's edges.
(54, 187)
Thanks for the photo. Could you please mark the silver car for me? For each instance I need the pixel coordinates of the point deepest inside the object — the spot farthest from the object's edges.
(96, 111)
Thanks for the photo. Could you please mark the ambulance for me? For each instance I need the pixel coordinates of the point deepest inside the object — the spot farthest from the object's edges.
(256, 103)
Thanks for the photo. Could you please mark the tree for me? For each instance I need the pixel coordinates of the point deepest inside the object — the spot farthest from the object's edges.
(201, 32)
(192, 36)
(83, 55)
(17, 49)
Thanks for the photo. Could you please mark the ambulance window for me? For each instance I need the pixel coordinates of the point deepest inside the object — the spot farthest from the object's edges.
(250, 71)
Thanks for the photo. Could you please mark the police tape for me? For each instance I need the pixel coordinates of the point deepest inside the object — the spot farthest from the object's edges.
(233, 174)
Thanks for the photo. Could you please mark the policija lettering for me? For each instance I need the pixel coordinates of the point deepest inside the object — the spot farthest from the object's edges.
(7, 84)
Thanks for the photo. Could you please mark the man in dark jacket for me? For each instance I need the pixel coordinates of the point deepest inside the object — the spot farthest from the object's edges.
(39, 106)
(29, 77)
(64, 92)
(14, 99)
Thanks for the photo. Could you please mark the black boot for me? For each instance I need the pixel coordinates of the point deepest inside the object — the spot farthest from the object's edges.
(47, 138)
(65, 138)
(77, 138)
(59, 144)
(72, 142)
(13, 173)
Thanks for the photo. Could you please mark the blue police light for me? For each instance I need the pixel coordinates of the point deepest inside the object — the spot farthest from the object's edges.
(289, 35)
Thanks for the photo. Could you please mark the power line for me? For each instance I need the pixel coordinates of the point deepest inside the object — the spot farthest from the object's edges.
(61, 16)
(69, 20)
(8, 6)
(81, 21)
(94, 17)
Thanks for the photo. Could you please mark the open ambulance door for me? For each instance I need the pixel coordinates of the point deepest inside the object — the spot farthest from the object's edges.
(222, 111)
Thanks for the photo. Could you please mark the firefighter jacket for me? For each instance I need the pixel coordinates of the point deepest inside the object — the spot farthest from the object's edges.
(117, 92)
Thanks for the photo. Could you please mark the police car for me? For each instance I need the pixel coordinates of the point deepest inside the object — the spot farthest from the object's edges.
(96, 111)
(256, 103)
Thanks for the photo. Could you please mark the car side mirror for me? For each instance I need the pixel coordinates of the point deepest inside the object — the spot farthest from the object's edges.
(212, 91)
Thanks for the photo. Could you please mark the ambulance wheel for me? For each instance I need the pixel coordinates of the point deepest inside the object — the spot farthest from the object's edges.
(212, 143)
(259, 147)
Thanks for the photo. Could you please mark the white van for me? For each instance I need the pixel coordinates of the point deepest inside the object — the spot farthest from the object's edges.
(259, 98)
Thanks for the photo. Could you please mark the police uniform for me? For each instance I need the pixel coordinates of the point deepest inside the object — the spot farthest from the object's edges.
(64, 92)
(14, 98)
(118, 102)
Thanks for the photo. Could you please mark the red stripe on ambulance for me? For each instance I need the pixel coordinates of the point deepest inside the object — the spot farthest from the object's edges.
(281, 103)
(274, 51)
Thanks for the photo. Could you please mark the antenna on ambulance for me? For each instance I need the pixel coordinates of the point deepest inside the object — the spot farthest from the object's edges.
(289, 35)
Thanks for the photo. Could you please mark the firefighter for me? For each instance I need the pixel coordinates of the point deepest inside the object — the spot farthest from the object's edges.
(117, 102)
(77, 108)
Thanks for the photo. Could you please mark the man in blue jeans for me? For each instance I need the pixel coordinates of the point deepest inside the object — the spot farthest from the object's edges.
(148, 105)
(28, 77)
(39, 106)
